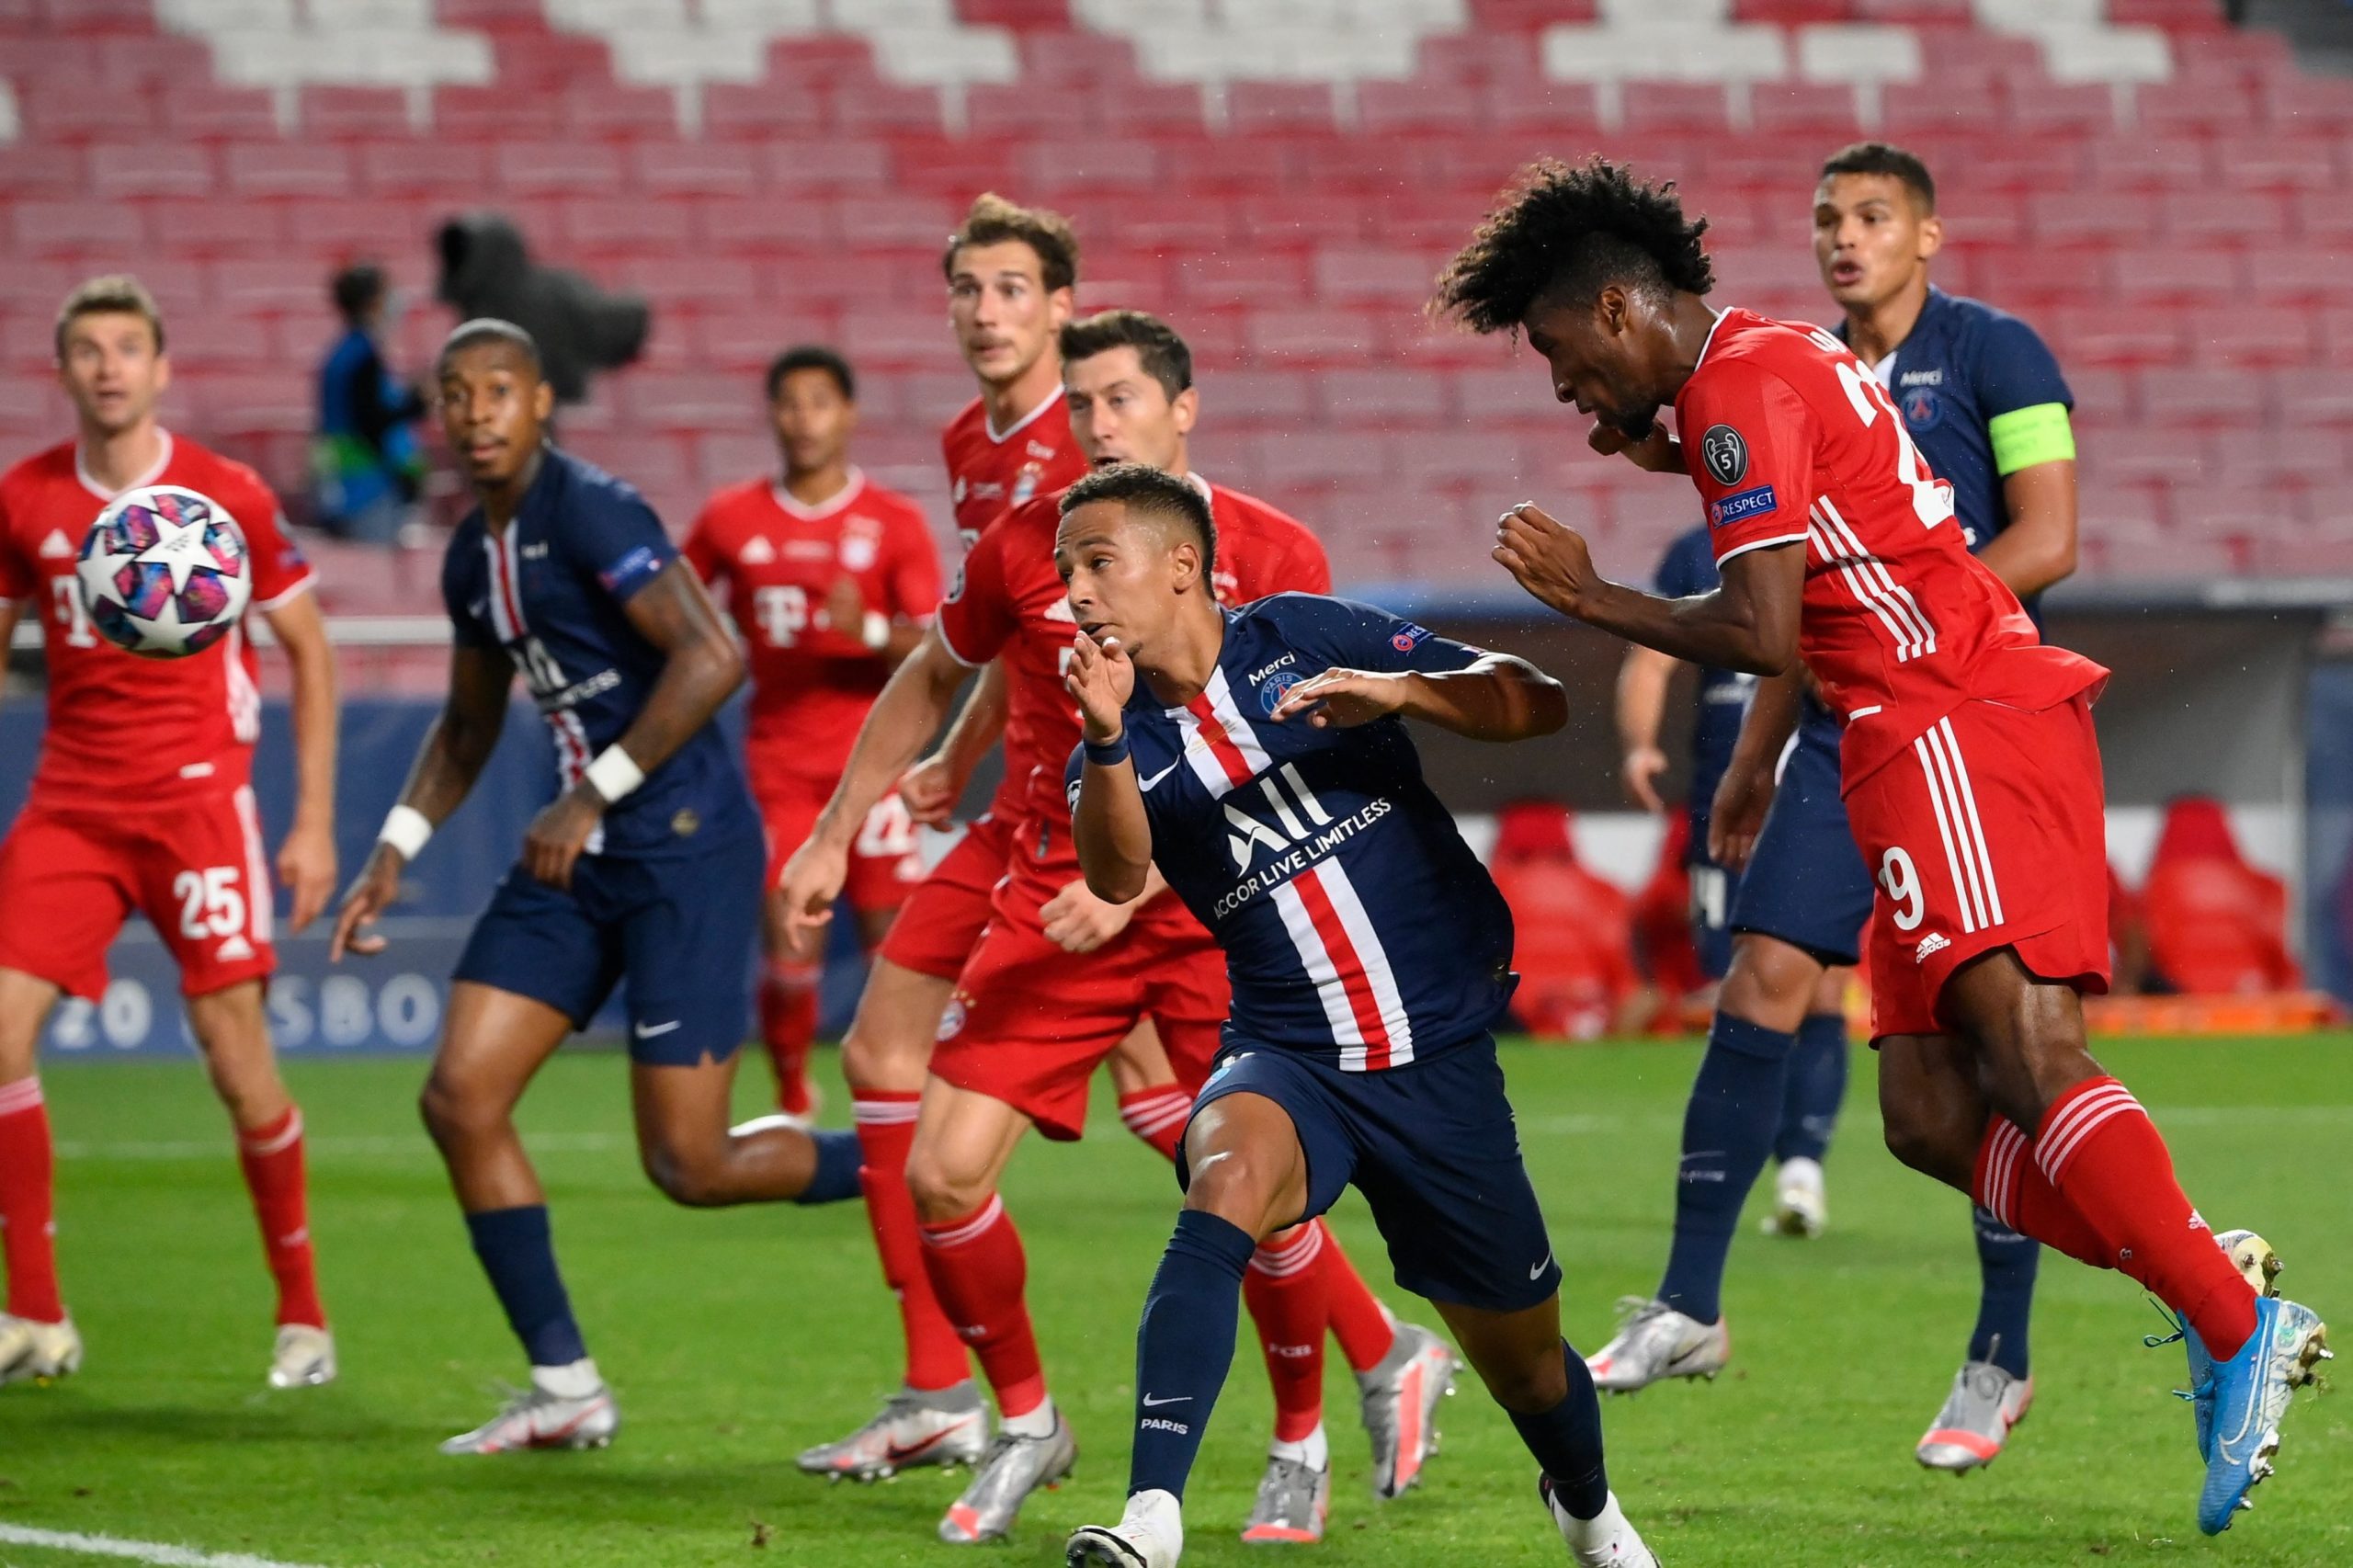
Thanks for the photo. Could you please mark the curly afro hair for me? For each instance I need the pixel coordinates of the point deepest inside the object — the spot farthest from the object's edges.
(1567, 230)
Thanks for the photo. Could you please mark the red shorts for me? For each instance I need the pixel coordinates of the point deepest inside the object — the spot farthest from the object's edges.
(942, 918)
(884, 865)
(1030, 1022)
(195, 867)
(1990, 832)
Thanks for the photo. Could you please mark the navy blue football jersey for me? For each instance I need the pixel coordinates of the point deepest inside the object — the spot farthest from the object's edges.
(1688, 568)
(550, 591)
(1357, 925)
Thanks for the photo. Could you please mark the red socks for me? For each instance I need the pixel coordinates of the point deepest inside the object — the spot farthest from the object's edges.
(271, 1155)
(978, 1273)
(1361, 1324)
(1284, 1289)
(788, 1027)
(886, 1127)
(1157, 1116)
(28, 1226)
(2098, 1183)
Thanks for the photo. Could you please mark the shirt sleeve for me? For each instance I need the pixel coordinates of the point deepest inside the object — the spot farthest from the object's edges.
(913, 584)
(976, 619)
(280, 571)
(1353, 635)
(702, 548)
(17, 580)
(1308, 569)
(616, 539)
(1749, 439)
(2023, 396)
(466, 629)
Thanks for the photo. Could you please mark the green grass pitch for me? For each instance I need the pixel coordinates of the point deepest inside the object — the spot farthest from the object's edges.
(735, 1338)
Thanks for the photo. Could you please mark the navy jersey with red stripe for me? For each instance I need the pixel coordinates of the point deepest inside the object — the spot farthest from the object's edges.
(1357, 925)
(548, 589)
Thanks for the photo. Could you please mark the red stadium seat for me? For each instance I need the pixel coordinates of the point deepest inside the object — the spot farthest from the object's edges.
(1574, 930)
(2217, 925)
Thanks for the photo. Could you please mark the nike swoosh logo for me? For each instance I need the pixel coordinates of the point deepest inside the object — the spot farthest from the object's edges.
(1537, 1271)
(1146, 784)
(1152, 1403)
(647, 1031)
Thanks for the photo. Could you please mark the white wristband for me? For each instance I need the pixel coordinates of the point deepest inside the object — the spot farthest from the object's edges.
(876, 630)
(407, 829)
(614, 773)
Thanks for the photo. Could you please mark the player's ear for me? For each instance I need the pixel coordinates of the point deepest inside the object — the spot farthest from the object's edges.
(162, 370)
(542, 402)
(1061, 305)
(1932, 235)
(1185, 408)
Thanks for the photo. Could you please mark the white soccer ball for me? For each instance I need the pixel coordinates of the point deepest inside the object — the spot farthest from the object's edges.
(165, 572)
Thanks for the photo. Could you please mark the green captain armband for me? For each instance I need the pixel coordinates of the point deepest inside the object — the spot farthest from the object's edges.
(2025, 436)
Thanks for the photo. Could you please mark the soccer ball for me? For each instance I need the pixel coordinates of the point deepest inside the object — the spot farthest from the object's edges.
(163, 572)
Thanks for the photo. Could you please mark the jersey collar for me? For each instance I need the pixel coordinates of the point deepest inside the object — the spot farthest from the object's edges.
(1000, 438)
(1710, 341)
(794, 507)
(154, 470)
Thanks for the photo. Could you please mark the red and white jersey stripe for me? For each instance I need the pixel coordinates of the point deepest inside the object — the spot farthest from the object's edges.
(1343, 957)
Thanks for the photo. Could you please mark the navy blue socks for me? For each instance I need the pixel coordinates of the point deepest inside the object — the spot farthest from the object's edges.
(2005, 1266)
(1727, 1131)
(517, 1254)
(1566, 1441)
(836, 1178)
(1815, 1089)
(1185, 1347)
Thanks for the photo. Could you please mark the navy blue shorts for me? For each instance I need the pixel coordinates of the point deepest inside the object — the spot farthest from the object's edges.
(679, 930)
(1435, 1150)
(1806, 883)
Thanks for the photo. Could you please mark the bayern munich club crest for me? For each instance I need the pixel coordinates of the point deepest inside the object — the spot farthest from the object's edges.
(951, 1019)
(1725, 453)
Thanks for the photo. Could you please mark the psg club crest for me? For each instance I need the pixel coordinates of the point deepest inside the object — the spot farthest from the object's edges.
(1725, 454)
(1270, 696)
(1921, 409)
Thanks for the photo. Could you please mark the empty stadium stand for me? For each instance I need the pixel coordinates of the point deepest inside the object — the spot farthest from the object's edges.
(2171, 201)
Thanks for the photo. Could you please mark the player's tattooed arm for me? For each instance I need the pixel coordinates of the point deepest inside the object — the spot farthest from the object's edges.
(1749, 624)
(913, 705)
(1737, 814)
(1113, 836)
(306, 861)
(456, 749)
(1497, 697)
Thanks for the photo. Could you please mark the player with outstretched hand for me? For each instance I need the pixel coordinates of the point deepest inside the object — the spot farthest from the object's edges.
(141, 800)
(645, 871)
(1258, 758)
(1969, 764)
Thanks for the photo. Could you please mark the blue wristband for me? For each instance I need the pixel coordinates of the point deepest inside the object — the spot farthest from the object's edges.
(1109, 754)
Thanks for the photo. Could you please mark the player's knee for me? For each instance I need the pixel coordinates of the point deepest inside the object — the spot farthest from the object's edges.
(1926, 1141)
(872, 1059)
(453, 1114)
(1232, 1184)
(690, 1181)
(942, 1192)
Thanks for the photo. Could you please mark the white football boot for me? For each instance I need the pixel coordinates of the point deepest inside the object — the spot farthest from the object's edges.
(1801, 1202)
(1400, 1398)
(946, 1427)
(536, 1418)
(1653, 1343)
(1151, 1534)
(1975, 1422)
(1294, 1499)
(1606, 1540)
(1013, 1467)
(303, 1358)
(31, 1351)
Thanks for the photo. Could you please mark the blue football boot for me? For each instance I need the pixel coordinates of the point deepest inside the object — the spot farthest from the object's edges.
(2250, 1393)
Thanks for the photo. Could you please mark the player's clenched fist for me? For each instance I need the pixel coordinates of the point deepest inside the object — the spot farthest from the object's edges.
(1100, 679)
(557, 835)
(811, 881)
(371, 893)
(1548, 558)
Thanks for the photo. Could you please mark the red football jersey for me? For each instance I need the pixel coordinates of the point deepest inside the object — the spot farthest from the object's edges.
(991, 472)
(812, 682)
(119, 726)
(1011, 605)
(1792, 440)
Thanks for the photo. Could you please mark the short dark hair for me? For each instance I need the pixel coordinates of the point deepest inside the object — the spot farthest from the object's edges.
(1143, 488)
(1885, 158)
(483, 331)
(811, 357)
(115, 294)
(1159, 350)
(1571, 230)
(357, 288)
(994, 221)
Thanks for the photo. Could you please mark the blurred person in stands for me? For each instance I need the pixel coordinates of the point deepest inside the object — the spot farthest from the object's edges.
(365, 458)
(2217, 925)
(142, 800)
(1985, 403)
(830, 579)
(487, 271)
